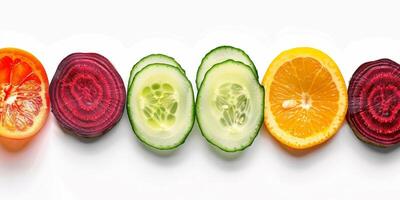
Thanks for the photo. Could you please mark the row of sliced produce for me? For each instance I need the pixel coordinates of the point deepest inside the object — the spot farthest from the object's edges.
(302, 99)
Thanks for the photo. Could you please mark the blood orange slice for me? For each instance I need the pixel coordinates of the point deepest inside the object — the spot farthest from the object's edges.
(24, 99)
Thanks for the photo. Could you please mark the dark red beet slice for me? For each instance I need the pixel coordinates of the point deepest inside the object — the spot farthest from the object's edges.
(87, 94)
(374, 102)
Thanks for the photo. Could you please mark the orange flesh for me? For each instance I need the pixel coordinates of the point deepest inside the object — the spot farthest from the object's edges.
(20, 99)
(303, 97)
(23, 94)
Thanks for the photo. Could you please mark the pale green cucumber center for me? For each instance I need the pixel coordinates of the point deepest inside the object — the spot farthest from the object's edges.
(232, 102)
(160, 105)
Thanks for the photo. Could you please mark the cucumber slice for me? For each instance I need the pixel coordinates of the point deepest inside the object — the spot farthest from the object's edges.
(221, 54)
(161, 106)
(230, 106)
(151, 59)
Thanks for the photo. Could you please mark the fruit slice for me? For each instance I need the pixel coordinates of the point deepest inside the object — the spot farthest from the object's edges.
(151, 59)
(221, 54)
(306, 99)
(87, 94)
(24, 99)
(230, 106)
(161, 106)
(374, 103)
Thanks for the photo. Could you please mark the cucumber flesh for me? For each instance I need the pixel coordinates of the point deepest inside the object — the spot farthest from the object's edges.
(151, 59)
(161, 106)
(230, 106)
(221, 54)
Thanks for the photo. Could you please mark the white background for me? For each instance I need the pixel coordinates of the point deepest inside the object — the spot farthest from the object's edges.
(58, 166)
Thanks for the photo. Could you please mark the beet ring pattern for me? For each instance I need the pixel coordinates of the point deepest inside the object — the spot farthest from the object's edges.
(374, 103)
(87, 94)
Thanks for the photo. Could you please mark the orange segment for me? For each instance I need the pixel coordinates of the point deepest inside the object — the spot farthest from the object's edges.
(20, 71)
(5, 70)
(24, 100)
(306, 98)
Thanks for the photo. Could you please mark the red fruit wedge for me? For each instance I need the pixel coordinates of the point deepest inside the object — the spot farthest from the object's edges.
(24, 99)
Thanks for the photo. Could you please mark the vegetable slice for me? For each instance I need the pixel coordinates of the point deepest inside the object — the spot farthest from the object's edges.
(374, 103)
(161, 106)
(230, 106)
(221, 54)
(151, 59)
(87, 94)
(24, 99)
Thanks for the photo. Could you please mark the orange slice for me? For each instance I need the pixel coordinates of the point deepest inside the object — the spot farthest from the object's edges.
(305, 99)
(24, 99)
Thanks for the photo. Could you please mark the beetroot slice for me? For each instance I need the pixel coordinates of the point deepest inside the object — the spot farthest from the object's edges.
(374, 102)
(87, 94)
